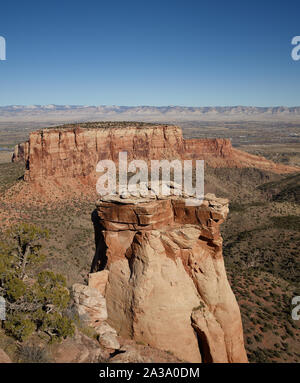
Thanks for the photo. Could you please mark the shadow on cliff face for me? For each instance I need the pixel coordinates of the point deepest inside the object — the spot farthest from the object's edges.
(204, 347)
(100, 258)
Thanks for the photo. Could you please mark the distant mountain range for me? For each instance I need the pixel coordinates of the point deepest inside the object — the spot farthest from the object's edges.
(78, 113)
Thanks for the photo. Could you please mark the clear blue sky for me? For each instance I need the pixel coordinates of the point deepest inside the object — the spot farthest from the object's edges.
(167, 52)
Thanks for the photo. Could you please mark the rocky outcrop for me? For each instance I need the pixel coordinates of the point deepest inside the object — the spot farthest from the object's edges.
(78, 349)
(72, 151)
(208, 147)
(90, 306)
(219, 153)
(99, 281)
(21, 152)
(167, 285)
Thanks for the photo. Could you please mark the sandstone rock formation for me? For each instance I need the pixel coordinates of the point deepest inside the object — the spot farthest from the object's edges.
(90, 306)
(72, 151)
(167, 285)
(219, 153)
(21, 152)
(99, 281)
(110, 347)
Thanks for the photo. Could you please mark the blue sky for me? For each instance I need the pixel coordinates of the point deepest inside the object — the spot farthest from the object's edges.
(167, 52)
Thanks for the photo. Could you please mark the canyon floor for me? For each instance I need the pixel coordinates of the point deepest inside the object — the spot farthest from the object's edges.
(261, 234)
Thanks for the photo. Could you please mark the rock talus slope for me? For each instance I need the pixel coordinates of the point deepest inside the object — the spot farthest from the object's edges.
(167, 285)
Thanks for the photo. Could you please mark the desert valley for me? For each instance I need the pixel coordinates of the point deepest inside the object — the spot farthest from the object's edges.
(149, 279)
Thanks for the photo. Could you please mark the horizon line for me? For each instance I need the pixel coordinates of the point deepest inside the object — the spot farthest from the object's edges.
(151, 106)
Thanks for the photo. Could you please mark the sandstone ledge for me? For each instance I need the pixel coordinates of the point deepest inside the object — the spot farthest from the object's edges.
(118, 214)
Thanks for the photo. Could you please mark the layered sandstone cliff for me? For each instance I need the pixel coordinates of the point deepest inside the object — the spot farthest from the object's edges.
(219, 153)
(73, 151)
(166, 284)
(21, 152)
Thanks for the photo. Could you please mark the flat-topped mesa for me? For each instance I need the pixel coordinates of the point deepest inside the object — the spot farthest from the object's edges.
(167, 284)
(219, 153)
(73, 151)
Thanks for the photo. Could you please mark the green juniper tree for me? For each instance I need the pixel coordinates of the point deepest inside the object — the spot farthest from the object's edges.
(34, 303)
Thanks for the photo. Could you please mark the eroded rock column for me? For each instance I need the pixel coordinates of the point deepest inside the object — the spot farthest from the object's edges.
(167, 284)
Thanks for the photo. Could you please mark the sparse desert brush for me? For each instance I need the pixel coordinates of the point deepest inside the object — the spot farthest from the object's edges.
(32, 353)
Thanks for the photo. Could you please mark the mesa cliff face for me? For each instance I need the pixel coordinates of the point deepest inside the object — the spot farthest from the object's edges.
(219, 153)
(167, 284)
(73, 151)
